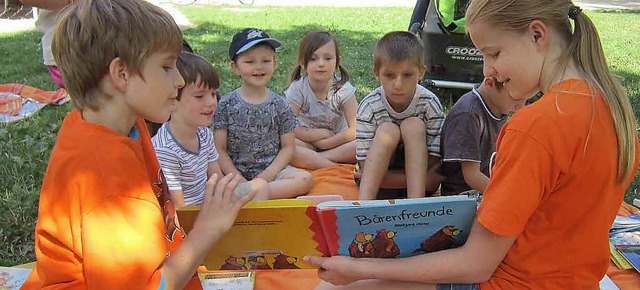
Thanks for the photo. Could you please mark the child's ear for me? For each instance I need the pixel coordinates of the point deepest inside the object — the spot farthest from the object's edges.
(376, 72)
(423, 70)
(234, 67)
(489, 82)
(539, 33)
(119, 74)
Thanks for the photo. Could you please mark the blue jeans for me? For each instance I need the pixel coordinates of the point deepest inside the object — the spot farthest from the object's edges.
(458, 287)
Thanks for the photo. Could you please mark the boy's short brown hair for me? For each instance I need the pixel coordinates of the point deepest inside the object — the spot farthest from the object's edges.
(192, 66)
(92, 33)
(398, 46)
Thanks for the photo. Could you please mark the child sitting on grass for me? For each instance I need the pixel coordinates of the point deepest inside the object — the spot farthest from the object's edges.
(184, 145)
(469, 136)
(105, 217)
(398, 125)
(326, 105)
(253, 127)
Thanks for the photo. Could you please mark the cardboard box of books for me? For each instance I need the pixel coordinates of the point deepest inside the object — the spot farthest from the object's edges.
(276, 234)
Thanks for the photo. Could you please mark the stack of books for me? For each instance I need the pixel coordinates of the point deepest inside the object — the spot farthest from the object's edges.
(624, 238)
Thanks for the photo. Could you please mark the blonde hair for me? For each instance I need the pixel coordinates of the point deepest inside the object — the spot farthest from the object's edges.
(583, 47)
(92, 33)
(311, 42)
(398, 46)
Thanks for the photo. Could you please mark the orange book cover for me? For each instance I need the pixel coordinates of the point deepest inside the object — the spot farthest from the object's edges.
(272, 234)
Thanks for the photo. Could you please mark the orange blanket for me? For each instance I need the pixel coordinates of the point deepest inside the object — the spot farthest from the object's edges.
(339, 180)
(13, 97)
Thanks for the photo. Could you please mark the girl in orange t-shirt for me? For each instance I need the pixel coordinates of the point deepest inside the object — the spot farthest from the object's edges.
(562, 165)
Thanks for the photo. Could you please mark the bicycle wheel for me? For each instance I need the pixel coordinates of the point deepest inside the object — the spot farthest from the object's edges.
(246, 2)
(182, 2)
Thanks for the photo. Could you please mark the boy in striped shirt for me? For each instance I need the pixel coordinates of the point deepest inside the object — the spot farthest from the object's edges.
(398, 125)
(184, 145)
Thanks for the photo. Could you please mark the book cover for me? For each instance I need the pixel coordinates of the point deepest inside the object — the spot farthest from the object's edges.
(227, 280)
(396, 228)
(12, 278)
(272, 234)
(618, 259)
(632, 254)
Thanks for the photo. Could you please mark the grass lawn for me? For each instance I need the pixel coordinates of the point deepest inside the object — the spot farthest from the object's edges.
(26, 145)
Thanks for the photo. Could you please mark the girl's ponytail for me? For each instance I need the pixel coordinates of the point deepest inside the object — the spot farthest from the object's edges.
(586, 50)
(295, 74)
(344, 78)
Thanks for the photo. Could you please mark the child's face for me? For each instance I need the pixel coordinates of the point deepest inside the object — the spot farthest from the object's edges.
(255, 66)
(196, 105)
(399, 80)
(513, 58)
(152, 93)
(322, 65)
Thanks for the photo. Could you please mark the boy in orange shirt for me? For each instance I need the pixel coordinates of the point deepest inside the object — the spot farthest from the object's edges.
(106, 220)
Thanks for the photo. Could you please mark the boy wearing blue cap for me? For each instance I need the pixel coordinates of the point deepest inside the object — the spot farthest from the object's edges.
(253, 127)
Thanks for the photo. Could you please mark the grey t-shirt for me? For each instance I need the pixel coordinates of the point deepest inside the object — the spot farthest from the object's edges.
(469, 133)
(253, 131)
(323, 114)
(375, 110)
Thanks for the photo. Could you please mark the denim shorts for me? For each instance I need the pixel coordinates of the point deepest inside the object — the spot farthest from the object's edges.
(452, 286)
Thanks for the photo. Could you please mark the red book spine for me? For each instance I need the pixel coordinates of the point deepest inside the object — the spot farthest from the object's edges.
(328, 220)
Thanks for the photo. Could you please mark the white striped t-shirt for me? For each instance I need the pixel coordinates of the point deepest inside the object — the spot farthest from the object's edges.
(185, 170)
(375, 110)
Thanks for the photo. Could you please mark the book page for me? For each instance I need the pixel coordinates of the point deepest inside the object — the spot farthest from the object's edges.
(227, 280)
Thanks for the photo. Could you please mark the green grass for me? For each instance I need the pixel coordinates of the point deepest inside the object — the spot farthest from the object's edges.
(26, 145)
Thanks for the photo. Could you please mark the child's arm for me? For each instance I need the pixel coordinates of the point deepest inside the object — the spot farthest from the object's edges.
(214, 168)
(307, 134)
(224, 160)
(287, 147)
(344, 136)
(217, 213)
(474, 262)
(170, 164)
(473, 176)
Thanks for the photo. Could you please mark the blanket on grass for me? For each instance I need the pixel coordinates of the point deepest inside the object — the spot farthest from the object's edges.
(19, 101)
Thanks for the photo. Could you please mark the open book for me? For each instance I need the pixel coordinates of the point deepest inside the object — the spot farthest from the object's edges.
(276, 234)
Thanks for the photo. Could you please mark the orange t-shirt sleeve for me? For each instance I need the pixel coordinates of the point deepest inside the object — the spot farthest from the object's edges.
(117, 244)
(524, 170)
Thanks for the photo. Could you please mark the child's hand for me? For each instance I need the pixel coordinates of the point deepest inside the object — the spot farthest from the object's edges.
(323, 133)
(220, 206)
(337, 270)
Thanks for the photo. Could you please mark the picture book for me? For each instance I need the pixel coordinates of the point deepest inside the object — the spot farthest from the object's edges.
(618, 259)
(12, 278)
(227, 280)
(271, 234)
(631, 254)
(396, 228)
(276, 234)
(625, 238)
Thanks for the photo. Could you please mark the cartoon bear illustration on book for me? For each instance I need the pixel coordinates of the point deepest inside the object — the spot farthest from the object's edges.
(258, 262)
(384, 246)
(441, 240)
(234, 263)
(283, 261)
(361, 246)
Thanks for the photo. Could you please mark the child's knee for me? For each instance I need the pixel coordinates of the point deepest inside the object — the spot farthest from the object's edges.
(303, 178)
(388, 132)
(412, 126)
